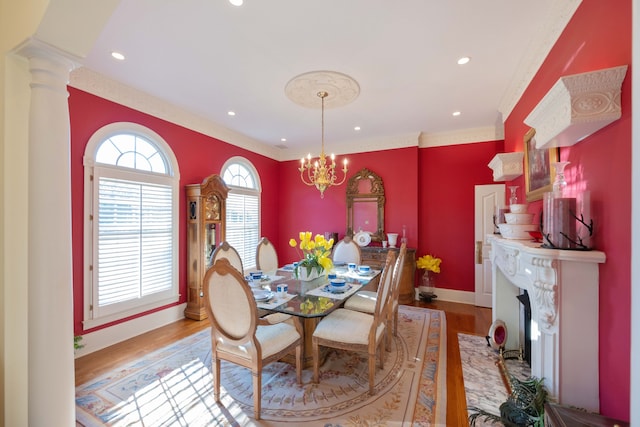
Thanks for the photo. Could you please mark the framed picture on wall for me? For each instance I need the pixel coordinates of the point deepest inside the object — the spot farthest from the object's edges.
(538, 172)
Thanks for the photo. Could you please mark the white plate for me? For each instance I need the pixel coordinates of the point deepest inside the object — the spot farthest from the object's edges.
(262, 294)
(362, 238)
(339, 290)
(365, 273)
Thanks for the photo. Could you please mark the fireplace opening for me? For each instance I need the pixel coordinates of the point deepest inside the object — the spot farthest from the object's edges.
(526, 322)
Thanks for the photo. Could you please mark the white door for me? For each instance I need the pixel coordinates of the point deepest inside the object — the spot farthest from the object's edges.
(488, 199)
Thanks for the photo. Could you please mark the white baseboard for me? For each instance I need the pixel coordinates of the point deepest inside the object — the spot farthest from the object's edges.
(452, 295)
(103, 338)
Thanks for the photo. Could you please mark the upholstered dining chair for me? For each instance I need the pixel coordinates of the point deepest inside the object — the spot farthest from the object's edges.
(225, 250)
(238, 335)
(356, 331)
(266, 256)
(346, 250)
(365, 301)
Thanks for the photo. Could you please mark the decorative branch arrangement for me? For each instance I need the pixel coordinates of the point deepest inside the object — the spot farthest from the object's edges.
(578, 241)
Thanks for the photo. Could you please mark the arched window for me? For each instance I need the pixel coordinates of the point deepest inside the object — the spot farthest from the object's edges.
(243, 208)
(131, 229)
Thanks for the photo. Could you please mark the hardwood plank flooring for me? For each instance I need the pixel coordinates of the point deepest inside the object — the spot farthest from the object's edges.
(463, 318)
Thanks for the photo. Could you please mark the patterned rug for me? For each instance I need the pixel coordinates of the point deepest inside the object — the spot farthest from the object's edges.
(173, 386)
(483, 385)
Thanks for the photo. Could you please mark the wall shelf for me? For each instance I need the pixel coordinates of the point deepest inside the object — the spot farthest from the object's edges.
(577, 106)
(506, 166)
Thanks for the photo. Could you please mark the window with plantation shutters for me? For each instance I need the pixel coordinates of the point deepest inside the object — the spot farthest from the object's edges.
(243, 209)
(131, 233)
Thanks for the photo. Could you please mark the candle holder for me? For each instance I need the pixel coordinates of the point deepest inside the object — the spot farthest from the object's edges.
(513, 198)
(566, 218)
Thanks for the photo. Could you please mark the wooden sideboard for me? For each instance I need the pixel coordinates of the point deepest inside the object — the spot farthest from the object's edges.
(375, 256)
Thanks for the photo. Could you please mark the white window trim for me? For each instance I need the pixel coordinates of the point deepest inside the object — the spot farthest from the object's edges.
(89, 166)
(244, 190)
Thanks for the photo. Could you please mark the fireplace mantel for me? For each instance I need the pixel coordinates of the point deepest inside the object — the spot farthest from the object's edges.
(563, 291)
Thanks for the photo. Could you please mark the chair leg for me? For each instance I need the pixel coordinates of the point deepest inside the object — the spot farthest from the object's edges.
(316, 362)
(372, 373)
(216, 378)
(299, 363)
(395, 322)
(257, 387)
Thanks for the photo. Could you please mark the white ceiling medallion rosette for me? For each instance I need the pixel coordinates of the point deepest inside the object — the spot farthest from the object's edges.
(341, 89)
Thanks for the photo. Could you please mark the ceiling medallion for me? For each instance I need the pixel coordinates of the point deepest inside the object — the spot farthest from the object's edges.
(334, 90)
(304, 88)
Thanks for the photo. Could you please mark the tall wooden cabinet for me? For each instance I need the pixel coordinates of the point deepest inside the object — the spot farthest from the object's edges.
(375, 256)
(206, 213)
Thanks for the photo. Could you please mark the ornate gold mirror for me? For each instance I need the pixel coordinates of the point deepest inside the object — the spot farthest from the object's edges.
(365, 204)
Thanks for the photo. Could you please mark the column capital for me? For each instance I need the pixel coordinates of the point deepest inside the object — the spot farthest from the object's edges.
(33, 48)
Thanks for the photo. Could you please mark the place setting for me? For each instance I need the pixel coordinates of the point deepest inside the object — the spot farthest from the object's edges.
(268, 299)
(258, 279)
(337, 288)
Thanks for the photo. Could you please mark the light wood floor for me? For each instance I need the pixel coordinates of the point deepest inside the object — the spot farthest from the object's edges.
(463, 318)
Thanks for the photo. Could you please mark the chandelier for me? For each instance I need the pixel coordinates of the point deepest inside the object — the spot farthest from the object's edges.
(319, 173)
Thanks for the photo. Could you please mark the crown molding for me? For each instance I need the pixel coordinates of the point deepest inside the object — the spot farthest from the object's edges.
(97, 84)
(100, 85)
(464, 136)
(560, 14)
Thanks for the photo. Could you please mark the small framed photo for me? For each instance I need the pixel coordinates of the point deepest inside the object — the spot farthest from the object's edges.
(538, 172)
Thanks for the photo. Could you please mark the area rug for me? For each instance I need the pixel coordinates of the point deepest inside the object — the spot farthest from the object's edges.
(173, 386)
(483, 384)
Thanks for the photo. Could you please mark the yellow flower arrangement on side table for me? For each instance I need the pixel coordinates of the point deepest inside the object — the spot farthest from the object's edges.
(429, 264)
(316, 252)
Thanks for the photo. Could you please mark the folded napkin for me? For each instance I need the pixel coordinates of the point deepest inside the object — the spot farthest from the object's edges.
(274, 302)
(323, 291)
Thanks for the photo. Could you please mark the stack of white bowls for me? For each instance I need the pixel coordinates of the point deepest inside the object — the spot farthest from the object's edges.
(518, 223)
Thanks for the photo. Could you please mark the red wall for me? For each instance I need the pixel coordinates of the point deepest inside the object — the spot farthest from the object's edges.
(302, 208)
(598, 36)
(448, 176)
(198, 156)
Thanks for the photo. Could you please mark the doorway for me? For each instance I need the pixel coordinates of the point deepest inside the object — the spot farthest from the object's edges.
(488, 199)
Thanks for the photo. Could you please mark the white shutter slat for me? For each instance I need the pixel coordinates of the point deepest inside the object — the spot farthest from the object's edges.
(135, 249)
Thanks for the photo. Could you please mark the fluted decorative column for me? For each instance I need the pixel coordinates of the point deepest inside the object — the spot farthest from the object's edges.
(50, 306)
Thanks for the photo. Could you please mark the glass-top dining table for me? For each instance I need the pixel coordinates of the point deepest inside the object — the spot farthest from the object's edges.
(311, 300)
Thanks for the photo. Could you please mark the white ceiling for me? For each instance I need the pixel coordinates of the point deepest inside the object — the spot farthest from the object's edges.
(208, 57)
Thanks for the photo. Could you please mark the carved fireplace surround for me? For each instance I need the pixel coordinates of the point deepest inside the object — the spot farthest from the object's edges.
(563, 290)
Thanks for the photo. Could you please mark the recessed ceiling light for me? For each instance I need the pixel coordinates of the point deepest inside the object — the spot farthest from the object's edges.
(463, 60)
(117, 55)
(357, 128)
(236, 2)
(231, 113)
(456, 113)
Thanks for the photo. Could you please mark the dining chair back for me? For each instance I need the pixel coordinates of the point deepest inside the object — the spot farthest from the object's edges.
(225, 250)
(346, 251)
(238, 335)
(356, 331)
(266, 256)
(365, 301)
(394, 304)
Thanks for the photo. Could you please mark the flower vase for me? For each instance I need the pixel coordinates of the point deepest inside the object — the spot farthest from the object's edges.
(427, 286)
(307, 277)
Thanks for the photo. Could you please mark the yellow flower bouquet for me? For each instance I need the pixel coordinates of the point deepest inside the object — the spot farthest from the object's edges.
(316, 252)
(429, 263)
